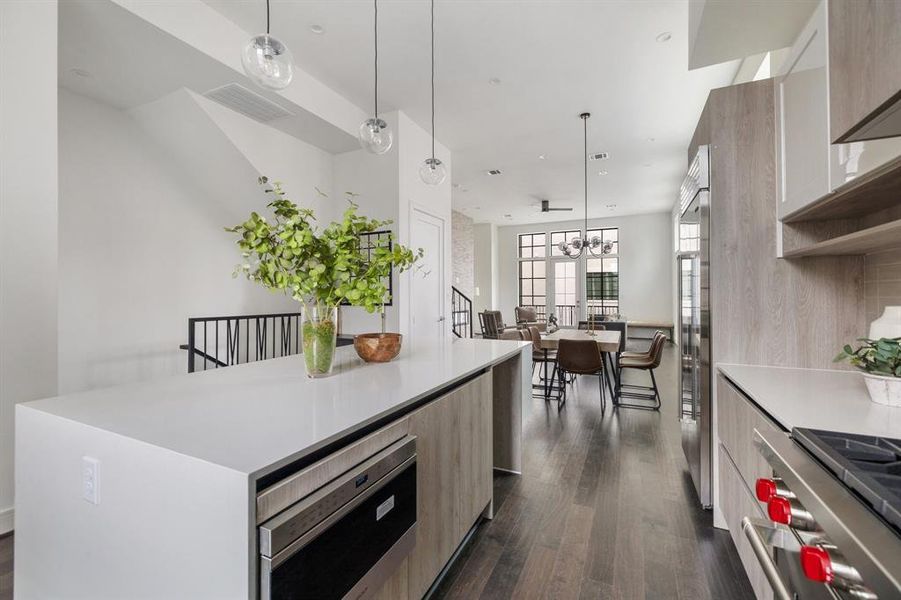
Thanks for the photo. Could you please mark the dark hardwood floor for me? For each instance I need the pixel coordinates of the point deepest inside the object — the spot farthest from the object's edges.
(605, 509)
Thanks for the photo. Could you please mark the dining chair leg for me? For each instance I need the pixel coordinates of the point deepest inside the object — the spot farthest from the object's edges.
(603, 395)
(610, 378)
(546, 390)
(656, 389)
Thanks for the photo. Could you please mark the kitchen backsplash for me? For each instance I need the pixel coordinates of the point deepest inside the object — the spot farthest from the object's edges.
(882, 282)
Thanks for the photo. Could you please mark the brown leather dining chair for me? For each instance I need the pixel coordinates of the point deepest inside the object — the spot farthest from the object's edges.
(581, 357)
(543, 358)
(647, 361)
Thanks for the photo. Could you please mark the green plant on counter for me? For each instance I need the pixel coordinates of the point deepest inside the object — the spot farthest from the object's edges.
(319, 268)
(877, 357)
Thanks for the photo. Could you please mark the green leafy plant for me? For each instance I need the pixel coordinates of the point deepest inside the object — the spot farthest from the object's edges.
(877, 357)
(321, 268)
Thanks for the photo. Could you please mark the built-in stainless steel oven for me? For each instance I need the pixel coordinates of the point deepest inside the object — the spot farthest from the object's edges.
(825, 536)
(348, 537)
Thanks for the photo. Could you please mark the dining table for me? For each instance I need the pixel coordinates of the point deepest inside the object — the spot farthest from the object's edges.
(608, 341)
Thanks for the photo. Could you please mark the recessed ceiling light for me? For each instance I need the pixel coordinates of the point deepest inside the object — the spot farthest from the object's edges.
(602, 172)
(541, 157)
(80, 72)
(494, 172)
(494, 81)
(317, 29)
(664, 37)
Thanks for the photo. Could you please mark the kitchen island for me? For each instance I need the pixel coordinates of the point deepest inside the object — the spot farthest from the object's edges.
(156, 490)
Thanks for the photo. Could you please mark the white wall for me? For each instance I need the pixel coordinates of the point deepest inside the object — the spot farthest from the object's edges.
(485, 268)
(374, 178)
(645, 257)
(389, 186)
(415, 146)
(28, 219)
(142, 246)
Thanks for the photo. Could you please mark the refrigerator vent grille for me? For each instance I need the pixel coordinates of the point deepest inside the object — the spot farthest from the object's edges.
(248, 103)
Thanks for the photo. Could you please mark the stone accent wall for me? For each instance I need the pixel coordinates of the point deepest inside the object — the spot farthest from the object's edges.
(462, 241)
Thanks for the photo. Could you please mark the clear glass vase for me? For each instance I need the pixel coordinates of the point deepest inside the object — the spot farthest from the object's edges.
(319, 331)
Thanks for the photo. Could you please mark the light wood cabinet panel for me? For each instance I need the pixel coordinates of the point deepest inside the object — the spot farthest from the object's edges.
(737, 419)
(737, 503)
(454, 481)
(864, 65)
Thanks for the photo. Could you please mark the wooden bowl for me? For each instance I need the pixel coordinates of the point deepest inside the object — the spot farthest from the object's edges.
(378, 347)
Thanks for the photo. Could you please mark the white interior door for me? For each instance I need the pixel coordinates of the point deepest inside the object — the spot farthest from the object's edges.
(427, 314)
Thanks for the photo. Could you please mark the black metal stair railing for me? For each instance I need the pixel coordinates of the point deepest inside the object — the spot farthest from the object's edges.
(215, 342)
(461, 314)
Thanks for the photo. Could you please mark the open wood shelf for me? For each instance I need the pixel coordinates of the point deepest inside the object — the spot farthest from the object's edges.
(872, 239)
(874, 191)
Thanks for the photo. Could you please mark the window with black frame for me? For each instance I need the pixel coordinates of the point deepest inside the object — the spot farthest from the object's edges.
(532, 270)
(368, 243)
(602, 275)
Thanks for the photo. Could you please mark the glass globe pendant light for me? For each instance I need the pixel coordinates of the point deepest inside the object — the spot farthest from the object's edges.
(578, 245)
(432, 171)
(267, 61)
(375, 136)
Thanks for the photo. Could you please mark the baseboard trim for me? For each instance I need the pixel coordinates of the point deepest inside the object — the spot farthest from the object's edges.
(7, 520)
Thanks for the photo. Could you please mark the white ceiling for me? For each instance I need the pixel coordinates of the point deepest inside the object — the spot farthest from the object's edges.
(554, 58)
(108, 53)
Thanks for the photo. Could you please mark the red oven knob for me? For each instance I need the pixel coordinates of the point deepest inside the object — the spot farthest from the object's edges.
(780, 510)
(816, 564)
(765, 489)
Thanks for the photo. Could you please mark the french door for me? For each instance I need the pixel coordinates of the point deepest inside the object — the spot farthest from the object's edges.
(565, 296)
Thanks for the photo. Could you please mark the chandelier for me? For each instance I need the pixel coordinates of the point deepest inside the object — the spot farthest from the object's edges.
(578, 245)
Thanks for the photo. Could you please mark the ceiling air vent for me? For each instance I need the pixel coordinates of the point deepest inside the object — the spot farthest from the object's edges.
(248, 103)
(599, 156)
(494, 172)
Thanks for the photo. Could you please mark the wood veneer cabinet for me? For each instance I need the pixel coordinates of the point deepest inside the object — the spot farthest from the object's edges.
(739, 467)
(454, 481)
(864, 68)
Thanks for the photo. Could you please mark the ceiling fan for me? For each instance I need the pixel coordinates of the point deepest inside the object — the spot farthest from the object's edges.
(546, 207)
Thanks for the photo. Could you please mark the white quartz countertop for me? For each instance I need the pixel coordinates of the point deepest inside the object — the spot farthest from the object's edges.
(253, 418)
(816, 399)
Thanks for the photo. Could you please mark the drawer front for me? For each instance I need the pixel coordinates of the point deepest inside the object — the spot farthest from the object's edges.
(737, 418)
(736, 503)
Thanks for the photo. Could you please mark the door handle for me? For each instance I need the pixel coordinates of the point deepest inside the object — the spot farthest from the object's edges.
(440, 319)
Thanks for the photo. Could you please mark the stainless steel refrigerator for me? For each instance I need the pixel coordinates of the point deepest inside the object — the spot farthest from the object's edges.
(693, 260)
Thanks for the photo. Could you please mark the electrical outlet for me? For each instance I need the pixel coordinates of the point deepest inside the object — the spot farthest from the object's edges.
(90, 479)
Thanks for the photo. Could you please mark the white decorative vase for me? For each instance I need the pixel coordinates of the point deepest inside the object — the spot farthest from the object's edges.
(884, 390)
(888, 325)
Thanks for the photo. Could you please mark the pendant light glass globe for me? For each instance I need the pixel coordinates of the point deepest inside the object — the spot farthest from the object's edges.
(375, 136)
(268, 62)
(432, 171)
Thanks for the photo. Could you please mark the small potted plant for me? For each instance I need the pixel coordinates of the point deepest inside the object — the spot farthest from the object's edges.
(318, 268)
(880, 361)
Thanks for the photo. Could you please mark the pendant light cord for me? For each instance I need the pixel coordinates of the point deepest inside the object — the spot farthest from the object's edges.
(585, 157)
(267, 17)
(433, 80)
(376, 38)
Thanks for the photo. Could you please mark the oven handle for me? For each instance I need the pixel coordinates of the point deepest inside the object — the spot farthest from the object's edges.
(292, 548)
(766, 561)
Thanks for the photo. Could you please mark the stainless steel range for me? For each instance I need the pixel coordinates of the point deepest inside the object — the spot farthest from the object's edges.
(835, 507)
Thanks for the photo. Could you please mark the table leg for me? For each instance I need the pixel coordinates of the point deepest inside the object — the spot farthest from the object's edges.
(609, 373)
